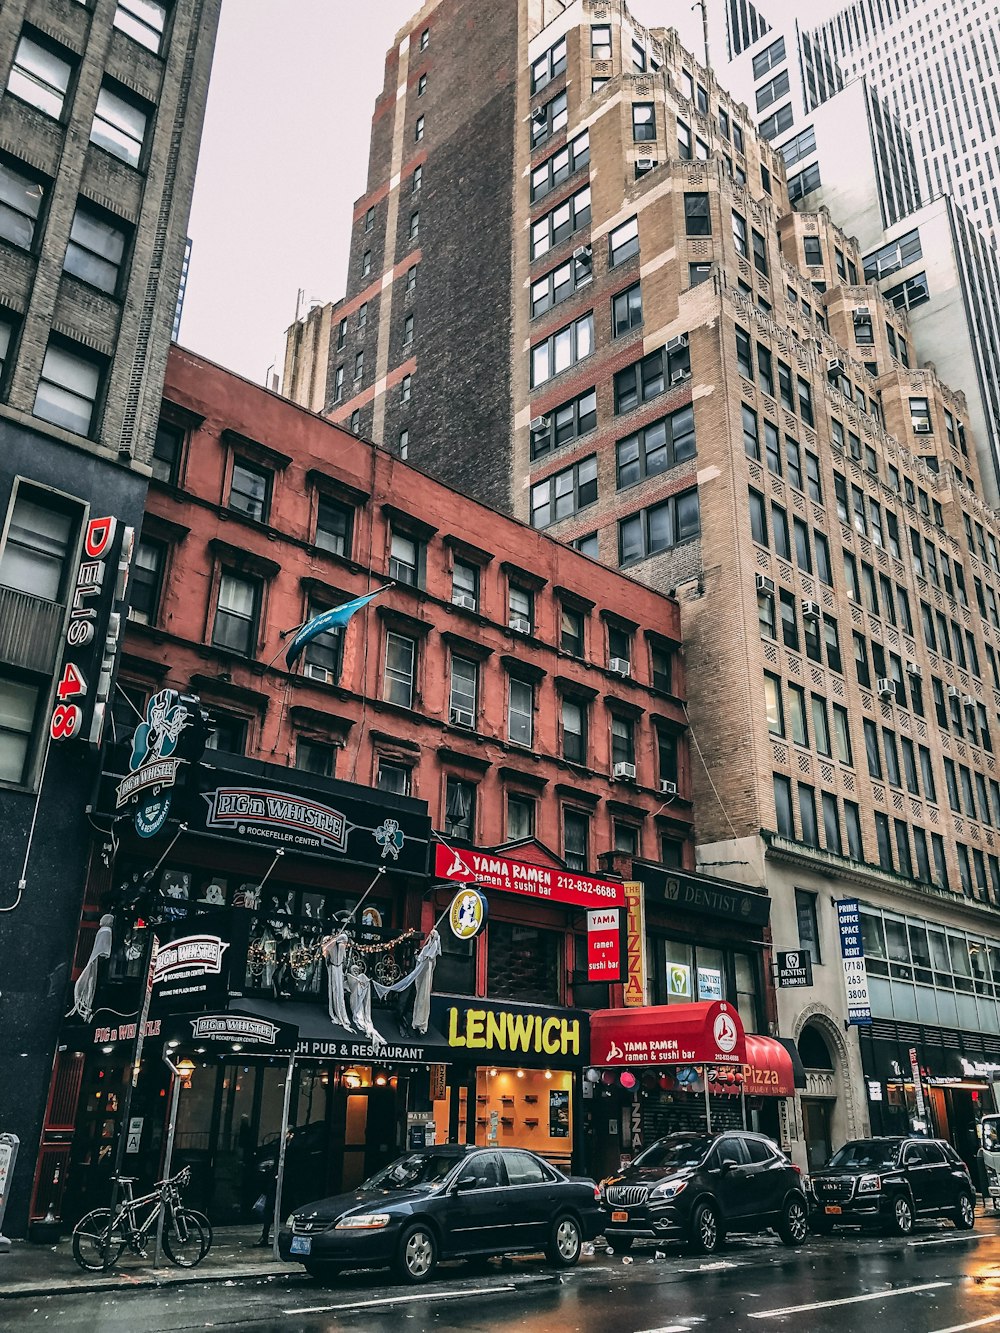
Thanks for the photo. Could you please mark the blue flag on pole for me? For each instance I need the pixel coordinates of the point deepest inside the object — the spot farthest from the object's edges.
(336, 618)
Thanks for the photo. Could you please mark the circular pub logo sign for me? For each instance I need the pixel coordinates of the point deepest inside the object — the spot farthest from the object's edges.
(467, 914)
(724, 1032)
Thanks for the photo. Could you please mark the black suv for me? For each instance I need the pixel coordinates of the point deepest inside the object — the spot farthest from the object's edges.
(697, 1187)
(890, 1182)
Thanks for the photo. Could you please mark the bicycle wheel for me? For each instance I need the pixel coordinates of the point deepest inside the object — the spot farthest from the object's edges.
(184, 1240)
(93, 1248)
(205, 1225)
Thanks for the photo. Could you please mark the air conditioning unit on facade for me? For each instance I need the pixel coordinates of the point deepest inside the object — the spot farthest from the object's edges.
(676, 343)
(584, 254)
(668, 788)
(922, 426)
(539, 425)
(954, 692)
(319, 672)
(810, 611)
(886, 688)
(464, 599)
(644, 164)
(834, 367)
(914, 669)
(968, 702)
(539, 115)
(624, 772)
(679, 376)
(461, 717)
(621, 666)
(764, 585)
(520, 625)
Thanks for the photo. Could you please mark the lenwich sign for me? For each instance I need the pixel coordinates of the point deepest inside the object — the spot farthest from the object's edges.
(515, 1033)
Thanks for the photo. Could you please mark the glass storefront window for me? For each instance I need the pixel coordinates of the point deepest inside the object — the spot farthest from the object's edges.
(746, 990)
(939, 957)
(897, 947)
(678, 961)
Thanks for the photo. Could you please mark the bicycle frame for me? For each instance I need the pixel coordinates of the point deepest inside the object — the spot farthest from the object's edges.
(164, 1196)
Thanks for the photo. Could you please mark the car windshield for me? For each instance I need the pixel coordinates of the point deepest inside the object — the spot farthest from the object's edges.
(868, 1154)
(676, 1150)
(417, 1168)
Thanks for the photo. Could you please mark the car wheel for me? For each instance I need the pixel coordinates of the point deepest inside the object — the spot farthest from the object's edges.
(965, 1212)
(793, 1226)
(620, 1244)
(416, 1256)
(900, 1221)
(320, 1271)
(706, 1234)
(822, 1226)
(565, 1242)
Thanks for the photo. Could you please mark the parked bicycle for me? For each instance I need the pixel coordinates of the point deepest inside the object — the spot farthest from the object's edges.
(98, 1241)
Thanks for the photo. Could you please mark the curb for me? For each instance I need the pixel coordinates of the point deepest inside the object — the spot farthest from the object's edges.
(162, 1277)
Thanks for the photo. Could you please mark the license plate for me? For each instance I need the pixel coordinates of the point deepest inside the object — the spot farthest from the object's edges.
(994, 1191)
(619, 1217)
(301, 1245)
(833, 1208)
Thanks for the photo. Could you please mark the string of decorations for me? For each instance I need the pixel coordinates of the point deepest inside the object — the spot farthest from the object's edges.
(302, 956)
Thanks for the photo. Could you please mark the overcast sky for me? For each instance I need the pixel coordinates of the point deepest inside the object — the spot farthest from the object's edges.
(283, 158)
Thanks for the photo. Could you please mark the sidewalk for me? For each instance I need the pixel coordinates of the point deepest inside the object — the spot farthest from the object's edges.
(43, 1270)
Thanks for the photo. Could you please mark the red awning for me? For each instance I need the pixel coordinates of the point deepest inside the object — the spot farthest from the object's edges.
(675, 1034)
(768, 1071)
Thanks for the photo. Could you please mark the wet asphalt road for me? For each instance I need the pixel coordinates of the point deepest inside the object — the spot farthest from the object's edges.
(939, 1281)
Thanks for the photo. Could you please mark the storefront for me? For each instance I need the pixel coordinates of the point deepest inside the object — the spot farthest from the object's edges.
(661, 1069)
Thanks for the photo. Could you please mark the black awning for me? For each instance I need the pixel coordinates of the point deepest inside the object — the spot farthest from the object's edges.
(321, 1039)
(797, 1066)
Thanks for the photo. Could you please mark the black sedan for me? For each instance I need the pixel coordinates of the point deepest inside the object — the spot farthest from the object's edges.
(890, 1182)
(448, 1202)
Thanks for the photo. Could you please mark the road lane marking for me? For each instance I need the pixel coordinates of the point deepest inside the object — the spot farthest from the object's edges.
(848, 1300)
(976, 1323)
(950, 1240)
(670, 1328)
(399, 1300)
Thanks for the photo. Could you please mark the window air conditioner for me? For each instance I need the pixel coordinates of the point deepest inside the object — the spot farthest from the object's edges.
(668, 788)
(464, 599)
(914, 669)
(539, 115)
(584, 254)
(318, 672)
(862, 315)
(679, 376)
(644, 164)
(954, 692)
(922, 426)
(834, 367)
(624, 772)
(810, 611)
(886, 688)
(461, 717)
(968, 702)
(765, 585)
(520, 625)
(621, 666)
(676, 343)
(539, 425)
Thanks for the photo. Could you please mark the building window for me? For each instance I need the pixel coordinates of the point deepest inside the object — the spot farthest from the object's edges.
(119, 126)
(812, 250)
(21, 199)
(414, 224)
(576, 836)
(574, 731)
(95, 250)
(623, 242)
(697, 218)
(783, 806)
(564, 493)
(359, 366)
(698, 273)
(805, 915)
(657, 447)
(405, 388)
(366, 263)
(571, 631)
(684, 150)
(566, 218)
(558, 284)
(355, 424)
(393, 777)
(622, 741)
(560, 166)
(619, 644)
(740, 235)
(564, 423)
(408, 331)
(588, 544)
(759, 253)
(465, 585)
(143, 21)
(600, 41)
(338, 385)
(548, 66)
(643, 122)
(417, 179)
(773, 708)
(334, 525)
(777, 122)
(645, 379)
(400, 664)
(250, 490)
(411, 279)
(520, 818)
(520, 608)
(315, 757)
(463, 696)
(418, 129)
(405, 559)
(805, 181)
(363, 315)
(236, 614)
(229, 734)
(421, 85)
(520, 712)
(768, 93)
(425, 38)
(147, 581)
(68, 389)
(562, 349)
(548, 119)
(661, 668)
(39, 539)
(658, 528)
(40, 76)
(369, 219)
(460, 809)
(403, 443)
(167, 449)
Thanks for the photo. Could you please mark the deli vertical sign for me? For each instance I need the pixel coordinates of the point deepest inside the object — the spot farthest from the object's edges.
(852, 951)
(97, 606)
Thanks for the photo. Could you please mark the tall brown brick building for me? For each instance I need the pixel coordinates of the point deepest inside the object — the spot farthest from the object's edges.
(703, 391)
